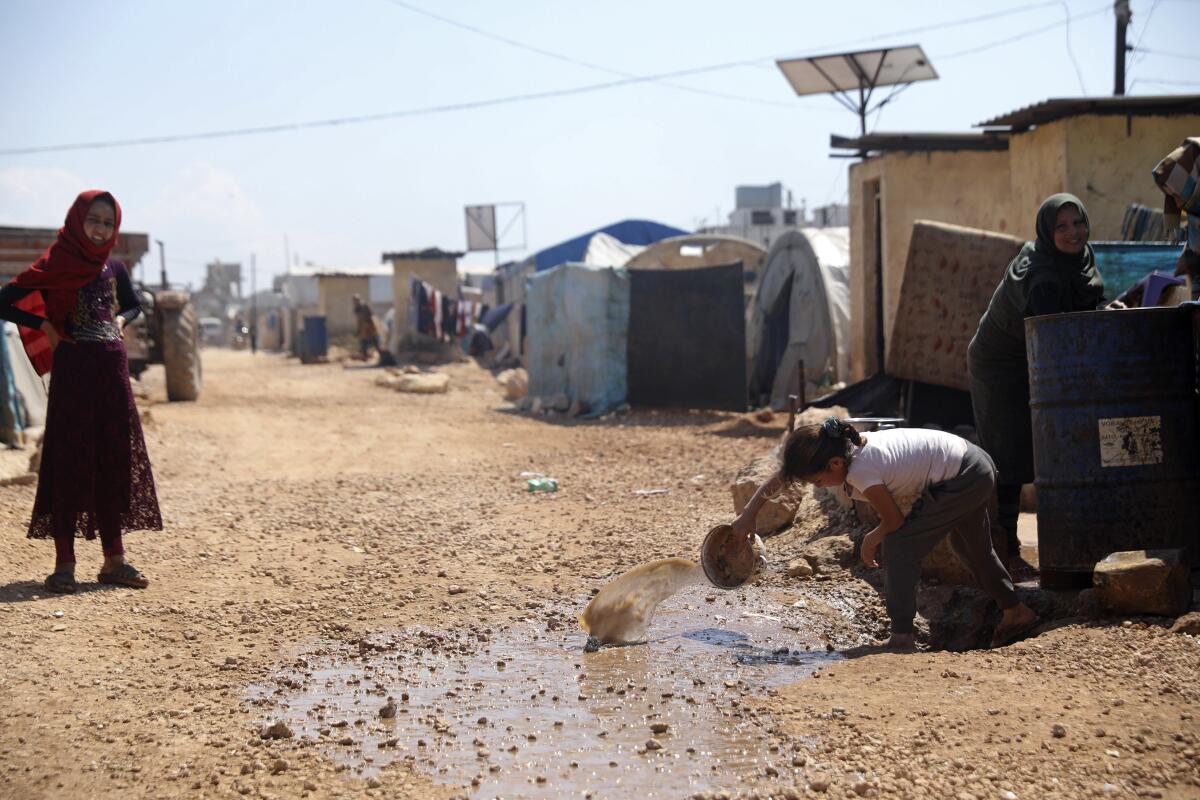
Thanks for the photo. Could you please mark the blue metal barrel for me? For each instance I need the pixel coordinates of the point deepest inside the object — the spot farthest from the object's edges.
(1116, 446)
(315, 342)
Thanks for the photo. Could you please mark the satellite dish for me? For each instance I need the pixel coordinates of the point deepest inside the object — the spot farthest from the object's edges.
(863, 71)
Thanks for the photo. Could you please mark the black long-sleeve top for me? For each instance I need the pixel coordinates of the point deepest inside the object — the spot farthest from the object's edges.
(127, 300)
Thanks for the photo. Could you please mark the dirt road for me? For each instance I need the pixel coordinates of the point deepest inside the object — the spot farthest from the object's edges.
(330, 544)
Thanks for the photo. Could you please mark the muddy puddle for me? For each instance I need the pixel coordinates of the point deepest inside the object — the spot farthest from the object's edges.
(524, 712)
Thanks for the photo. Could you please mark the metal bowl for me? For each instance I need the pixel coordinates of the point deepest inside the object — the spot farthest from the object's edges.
(729, 560)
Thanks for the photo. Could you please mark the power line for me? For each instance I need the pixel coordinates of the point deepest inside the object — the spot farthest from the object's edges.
(1023, 35)
(576, 61)
(530, 96)
(363, 118)
(1165, 54)
(1070, 51)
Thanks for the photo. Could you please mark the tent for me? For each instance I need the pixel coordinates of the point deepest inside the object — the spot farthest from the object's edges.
(578, 321)
(604, 250)
(687, 337)
(22, 391)
(801, 311)
(511, 277)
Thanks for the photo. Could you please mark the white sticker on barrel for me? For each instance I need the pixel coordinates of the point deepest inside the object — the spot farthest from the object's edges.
(1130, 441)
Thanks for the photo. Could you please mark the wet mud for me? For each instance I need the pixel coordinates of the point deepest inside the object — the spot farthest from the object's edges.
(524, 711)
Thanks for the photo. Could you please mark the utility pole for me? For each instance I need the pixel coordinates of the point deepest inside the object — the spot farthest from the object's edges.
(162, 264)
(1124, 15)
(253, 307)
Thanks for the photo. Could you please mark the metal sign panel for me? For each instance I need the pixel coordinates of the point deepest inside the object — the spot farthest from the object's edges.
(864, 68)
(481, 228)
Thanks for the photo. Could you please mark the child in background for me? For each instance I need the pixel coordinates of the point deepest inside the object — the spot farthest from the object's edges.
(951, 481)
(95, 474)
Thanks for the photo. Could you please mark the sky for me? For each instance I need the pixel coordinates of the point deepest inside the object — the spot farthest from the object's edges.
(591, 153)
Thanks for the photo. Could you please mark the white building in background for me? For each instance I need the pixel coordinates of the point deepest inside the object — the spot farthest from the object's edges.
(764, 213)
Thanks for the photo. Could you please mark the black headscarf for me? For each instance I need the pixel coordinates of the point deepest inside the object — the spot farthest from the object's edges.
(1073, 276)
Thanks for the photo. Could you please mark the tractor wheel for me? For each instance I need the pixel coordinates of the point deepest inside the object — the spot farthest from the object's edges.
(181, 352)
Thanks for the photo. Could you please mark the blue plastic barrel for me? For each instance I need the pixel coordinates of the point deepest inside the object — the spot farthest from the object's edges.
(1116, 447)
(315, 343)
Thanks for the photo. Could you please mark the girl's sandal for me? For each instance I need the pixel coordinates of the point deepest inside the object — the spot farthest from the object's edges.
(61, 583)
(124, 575)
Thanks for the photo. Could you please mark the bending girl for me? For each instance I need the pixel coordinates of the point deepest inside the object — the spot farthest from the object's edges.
(953, 480)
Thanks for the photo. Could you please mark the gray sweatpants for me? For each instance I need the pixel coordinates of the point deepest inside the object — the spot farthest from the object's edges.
(958, 507)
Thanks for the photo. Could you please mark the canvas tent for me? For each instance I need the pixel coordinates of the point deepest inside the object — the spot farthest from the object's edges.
(511, 277)
(801, 310)
(578, 320)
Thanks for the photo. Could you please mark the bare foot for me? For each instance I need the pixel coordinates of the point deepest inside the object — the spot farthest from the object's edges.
(1014, 622)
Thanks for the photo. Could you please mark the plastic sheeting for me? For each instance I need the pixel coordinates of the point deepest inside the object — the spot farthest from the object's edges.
(607, 251)
(801, 311)
(629, 231)
(23, 390)
(578, 321)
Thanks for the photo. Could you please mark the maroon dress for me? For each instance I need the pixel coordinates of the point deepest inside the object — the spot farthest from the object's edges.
(95, 473)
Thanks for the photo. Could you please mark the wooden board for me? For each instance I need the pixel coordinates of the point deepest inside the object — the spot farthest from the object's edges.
(949, 277)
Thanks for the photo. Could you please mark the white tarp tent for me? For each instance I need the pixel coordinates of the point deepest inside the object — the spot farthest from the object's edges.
(604, 250)
(801, 310)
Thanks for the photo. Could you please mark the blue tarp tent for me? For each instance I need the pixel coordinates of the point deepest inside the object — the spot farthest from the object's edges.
(629, 231)
(578, 327)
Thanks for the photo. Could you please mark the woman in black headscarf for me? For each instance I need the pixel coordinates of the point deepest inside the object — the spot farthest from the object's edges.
(1052, 275)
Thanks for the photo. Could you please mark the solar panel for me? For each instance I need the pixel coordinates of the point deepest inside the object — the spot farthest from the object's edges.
(864, 69)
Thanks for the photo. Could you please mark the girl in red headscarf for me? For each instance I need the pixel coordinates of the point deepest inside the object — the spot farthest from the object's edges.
(73, 304)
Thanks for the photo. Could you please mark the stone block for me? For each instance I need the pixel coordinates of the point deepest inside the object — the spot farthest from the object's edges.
(778, 512)
(429, 383)
(1143, 582)
(515, 383)
(1188, 623)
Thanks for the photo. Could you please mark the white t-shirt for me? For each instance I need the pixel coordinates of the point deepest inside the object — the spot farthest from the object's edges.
(906, 461)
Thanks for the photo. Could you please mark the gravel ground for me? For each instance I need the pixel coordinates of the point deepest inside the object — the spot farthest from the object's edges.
(310, 513)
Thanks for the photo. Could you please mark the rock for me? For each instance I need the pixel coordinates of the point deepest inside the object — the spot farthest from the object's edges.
(779, 511)
(960, 617)
(1058, 731)
(278, 766)
(653, 744)
(1188, 623)
(1086, 604)
(429, 383)
(374, 783)
(659, 727)
(818, 784)
(389, 709)
(515, 383)
(799, 568)
(1143, 582)
(829, 553)
(309, 786)
(278, 730)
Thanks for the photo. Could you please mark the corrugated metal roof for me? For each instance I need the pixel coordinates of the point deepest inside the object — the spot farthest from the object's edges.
(1060, 107)
(317, 271)
(428, 254)
(923, 142)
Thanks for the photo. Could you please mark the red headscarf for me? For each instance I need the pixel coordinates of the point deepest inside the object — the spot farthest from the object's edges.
(71, 263)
